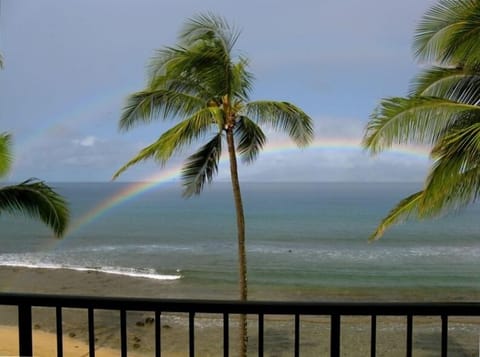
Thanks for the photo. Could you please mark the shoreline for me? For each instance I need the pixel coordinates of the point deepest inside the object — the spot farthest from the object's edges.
(95, 283)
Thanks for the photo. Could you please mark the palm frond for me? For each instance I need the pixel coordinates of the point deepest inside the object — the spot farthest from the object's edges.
(463, 189)
(242, 80)
(419, 120)
(144, 154)
(402, 211)
(446, 30)
(36, 199)
(198, 70)
(177, 137)
(282, 116)
(207, 63)
(142, 107)
(454, 180)
(210, 41)
(251, 139)
(424, 83)
(201, 166)
(5, 153)
(158, 63)
(203, 69)
(209, 26)
(457, 84)
(460, 85)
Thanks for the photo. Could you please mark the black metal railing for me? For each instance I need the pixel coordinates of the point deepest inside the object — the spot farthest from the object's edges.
(25, 303)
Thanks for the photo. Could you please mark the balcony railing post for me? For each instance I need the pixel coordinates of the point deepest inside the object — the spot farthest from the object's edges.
(123, 333)
(91, 332)
(444, 335)
(335, 336)
(158, 334)
(191, 334)
(409, 335)
(25, 330)
(226, 336)
(59, 319)
(373, 336)
(297, 336)
(260, 335)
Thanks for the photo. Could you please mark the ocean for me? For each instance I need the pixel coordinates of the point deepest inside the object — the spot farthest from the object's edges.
(305, 241)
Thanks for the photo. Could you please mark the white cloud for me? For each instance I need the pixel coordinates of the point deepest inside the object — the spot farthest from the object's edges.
(87, 141)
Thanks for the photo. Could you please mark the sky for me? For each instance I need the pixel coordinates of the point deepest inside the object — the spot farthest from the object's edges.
(69, 66)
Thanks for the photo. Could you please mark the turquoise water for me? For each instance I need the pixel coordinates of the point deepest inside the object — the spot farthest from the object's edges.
(301, 239)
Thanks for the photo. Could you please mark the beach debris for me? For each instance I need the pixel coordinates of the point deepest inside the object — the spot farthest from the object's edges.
(149, 320)
(36, 326)
(136, 339)
(166, 326)
(72, 334)
(136, 346)
(140, 323)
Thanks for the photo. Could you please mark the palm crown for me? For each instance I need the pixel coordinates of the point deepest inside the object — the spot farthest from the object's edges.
(201, 83)
(442, 110)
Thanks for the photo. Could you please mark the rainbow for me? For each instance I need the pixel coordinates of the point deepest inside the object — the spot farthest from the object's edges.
(80, 112)
(133, 190)
(171, 174)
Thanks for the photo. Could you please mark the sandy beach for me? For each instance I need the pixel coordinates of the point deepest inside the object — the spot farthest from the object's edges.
(315, 331)
(44, 345)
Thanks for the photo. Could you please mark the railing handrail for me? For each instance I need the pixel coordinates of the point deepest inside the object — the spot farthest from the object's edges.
(245, 307)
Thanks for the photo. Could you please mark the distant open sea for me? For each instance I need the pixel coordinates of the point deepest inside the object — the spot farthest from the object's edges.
(304, 241)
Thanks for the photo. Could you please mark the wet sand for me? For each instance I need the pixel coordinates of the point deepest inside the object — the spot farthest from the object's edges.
(91, 283)
(315, 331)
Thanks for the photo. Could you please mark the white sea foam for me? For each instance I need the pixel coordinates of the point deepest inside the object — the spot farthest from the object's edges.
(131, 272)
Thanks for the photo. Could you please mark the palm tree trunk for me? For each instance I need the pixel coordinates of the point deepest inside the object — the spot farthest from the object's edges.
(242, 256)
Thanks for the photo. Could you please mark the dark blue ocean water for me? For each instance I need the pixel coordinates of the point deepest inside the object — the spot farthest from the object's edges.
(302, 238)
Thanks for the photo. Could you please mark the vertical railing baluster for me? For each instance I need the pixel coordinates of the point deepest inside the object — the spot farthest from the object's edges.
(335, 336)
(444, 335)
(91, 333)
(260, 335)
(297, 336)
(25, 329)
(191, 333)
(409, 335)
(226, 335)
(158, 334)
(123, 332)
(58, 317)
(373, 336)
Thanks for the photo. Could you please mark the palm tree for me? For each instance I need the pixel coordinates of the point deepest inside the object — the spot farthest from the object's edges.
(31, 197)
(442, 110)
(201, 83)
